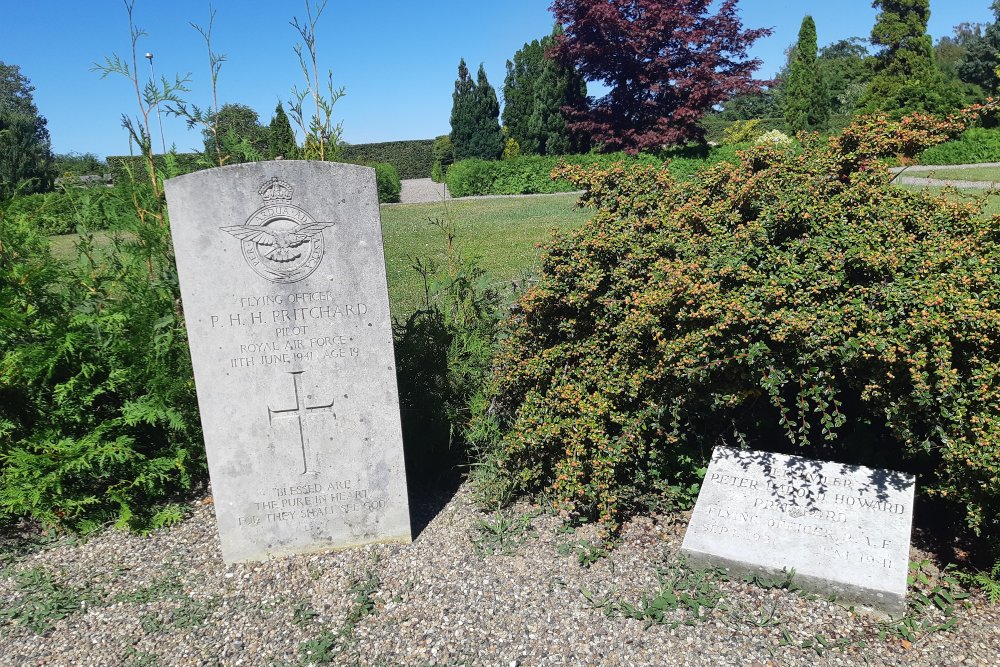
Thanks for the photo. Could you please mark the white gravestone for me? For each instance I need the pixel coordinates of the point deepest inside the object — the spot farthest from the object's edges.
(844, 529)
(284, 291)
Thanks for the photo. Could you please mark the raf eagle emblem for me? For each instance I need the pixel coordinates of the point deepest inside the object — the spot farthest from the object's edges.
(280, 241)
(281, 244)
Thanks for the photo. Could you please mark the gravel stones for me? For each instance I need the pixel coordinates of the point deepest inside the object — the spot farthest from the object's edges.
(168, 599)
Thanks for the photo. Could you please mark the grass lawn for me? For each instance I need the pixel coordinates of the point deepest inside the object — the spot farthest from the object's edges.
(967, 174)
(992, 204)
(501, 233)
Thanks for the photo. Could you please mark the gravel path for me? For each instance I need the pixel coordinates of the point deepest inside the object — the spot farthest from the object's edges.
(943, 170)
(422, 190)
(464, 593)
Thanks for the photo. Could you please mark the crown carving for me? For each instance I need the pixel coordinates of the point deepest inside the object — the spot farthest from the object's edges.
(276, 191)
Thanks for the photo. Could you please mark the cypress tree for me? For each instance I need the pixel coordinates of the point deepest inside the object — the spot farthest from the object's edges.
(488, 139)
(535, 90)
(546, 125)
(519, 92)
(463, 126)
(807, 100)
(475, 117)
(281, 138)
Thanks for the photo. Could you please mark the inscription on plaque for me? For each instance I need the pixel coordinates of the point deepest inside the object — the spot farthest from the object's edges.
(845, 530)
(285, 301)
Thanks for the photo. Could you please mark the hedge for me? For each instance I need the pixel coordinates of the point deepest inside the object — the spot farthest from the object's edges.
(529, 174)
(412, 159)
(975, 145)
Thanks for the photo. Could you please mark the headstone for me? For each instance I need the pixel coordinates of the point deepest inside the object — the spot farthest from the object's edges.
(844, 529)
(284, 293)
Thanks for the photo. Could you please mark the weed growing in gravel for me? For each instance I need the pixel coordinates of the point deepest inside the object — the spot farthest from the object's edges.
(988, 581)
(40, 601)
(330, 646)
(193, 613)
(165, 587)
(152, 624)
(303, 614)
(587, 552)
(784, 582)
(930, 605)
(695, 592)
(818, 643)
(502, 532)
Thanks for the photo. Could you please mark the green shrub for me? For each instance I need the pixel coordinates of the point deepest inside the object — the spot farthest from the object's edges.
(412, 159)
(444, 155)
(532, 174)
(437, 173)
(387, 181)
(741, 132)
(124, 167)
(78, 164)
(471, 177)
(511, 149)
(795, 301)
(98, 418)
(60, 212)
(715, 127)
(443, 353)
(773, 137)
(975, 145)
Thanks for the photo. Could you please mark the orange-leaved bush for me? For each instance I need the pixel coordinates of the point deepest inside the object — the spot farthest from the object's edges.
(793, 301)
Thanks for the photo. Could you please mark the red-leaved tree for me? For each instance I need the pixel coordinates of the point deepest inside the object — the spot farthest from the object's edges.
(666, 63)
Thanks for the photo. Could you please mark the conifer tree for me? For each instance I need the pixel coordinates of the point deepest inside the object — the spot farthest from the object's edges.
(280, 137)
(535, 91)
(475, 114)
(462, 112)
(488, 140)
(807, 100)
(905, 78)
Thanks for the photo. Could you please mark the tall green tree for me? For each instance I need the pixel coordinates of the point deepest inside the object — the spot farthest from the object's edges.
(281, 137)
(807, 102)
(905, 77)
(844, 67)
(26, 161)
(982, 55)
(488, 142)
(463, 125)
(535, 90)
(241, 136)
(475, 117)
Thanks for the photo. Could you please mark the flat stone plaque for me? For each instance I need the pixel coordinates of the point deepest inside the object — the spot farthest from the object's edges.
(844, 529)
(284, 290)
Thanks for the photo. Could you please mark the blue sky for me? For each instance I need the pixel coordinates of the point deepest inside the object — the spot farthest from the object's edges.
(396, 59)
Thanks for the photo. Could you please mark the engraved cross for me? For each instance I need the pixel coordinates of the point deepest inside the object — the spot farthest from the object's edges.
(299, 412)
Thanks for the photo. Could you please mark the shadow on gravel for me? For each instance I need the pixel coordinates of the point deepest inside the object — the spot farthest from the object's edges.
(430, 402)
